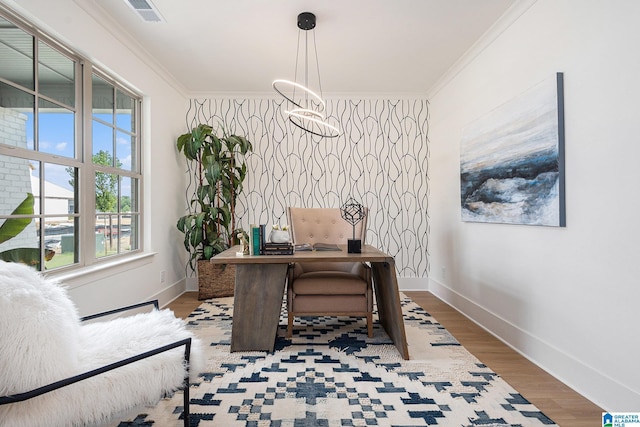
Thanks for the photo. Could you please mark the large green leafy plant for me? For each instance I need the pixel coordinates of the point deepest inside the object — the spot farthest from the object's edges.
(14, 226)
(217, 168)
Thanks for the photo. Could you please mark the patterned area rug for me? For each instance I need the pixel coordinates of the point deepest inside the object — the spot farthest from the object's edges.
(332, 374)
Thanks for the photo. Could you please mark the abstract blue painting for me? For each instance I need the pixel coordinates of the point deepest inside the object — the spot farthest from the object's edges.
(512, 160)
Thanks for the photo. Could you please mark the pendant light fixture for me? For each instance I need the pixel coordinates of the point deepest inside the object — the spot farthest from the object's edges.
(306, 108)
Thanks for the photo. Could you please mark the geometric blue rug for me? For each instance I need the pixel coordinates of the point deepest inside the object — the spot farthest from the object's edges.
(331, 374)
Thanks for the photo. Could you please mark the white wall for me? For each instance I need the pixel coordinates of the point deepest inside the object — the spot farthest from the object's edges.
(88, 33)
(567, 298)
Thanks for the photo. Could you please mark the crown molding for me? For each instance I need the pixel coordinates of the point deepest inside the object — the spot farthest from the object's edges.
(120, 33)
(337, 95)
(508, 18)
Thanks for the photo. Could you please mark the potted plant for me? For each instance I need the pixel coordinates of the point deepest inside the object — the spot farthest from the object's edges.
(218, 169)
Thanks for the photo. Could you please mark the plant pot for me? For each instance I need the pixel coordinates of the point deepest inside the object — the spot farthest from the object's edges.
(215, 280)
(279, 236)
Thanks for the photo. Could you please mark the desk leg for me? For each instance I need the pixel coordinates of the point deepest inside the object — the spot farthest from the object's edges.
(389, 306)
(256, 307)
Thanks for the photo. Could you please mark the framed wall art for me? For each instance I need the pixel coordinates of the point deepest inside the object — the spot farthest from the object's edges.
(512, 160)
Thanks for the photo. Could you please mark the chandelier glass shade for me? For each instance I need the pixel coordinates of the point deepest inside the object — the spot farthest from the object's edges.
(306, 108)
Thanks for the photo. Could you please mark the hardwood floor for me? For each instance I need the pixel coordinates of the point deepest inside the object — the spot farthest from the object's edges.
(559, 402)
(184, 304)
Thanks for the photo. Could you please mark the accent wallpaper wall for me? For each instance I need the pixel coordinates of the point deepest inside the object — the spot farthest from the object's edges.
(381, 160)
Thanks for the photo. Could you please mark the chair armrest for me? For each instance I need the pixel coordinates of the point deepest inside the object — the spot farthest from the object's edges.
(363, 270)
(19, 397)
(295, 270)
(121, 309)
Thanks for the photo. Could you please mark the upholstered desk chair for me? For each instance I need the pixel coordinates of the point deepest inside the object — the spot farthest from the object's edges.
(331, 288)
(57, 370)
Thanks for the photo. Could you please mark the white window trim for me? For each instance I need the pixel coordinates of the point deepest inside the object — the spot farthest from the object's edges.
(88, 264)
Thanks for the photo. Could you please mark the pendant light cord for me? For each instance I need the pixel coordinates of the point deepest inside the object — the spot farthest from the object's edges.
(295, 71)
(307, 113)
(315, 48)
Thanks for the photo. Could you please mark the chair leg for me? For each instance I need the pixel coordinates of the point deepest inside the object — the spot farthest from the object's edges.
(370, 324)
(290, 325)
(185, 402)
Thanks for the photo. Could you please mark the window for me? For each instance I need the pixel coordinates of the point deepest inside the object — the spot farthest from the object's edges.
(116, 163)
(70, 169)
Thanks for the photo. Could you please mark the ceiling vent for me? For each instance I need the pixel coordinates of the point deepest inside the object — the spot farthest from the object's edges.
(145, 10)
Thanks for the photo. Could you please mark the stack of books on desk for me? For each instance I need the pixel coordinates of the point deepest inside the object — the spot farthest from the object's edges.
(277, 249)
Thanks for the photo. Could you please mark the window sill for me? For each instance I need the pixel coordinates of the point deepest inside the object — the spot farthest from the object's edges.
(86, 275)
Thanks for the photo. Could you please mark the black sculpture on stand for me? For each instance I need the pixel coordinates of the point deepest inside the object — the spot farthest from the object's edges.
(353, 212)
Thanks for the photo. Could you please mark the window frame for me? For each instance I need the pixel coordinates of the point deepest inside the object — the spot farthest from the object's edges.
(135, 173)
(84, 205)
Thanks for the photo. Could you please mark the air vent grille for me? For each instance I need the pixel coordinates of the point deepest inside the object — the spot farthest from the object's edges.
(145, 10)
(140, 4)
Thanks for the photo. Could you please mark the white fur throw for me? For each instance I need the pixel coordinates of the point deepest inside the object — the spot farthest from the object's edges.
(42, 341)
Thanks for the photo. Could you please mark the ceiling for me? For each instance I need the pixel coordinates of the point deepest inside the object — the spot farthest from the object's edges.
(364, 46)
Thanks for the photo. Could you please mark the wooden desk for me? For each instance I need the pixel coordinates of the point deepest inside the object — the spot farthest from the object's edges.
(260, 284)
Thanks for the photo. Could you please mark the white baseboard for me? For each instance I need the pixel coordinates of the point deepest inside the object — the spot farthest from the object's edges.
(413, 283)
(591, 383)
(192, 284)
(170, 293)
